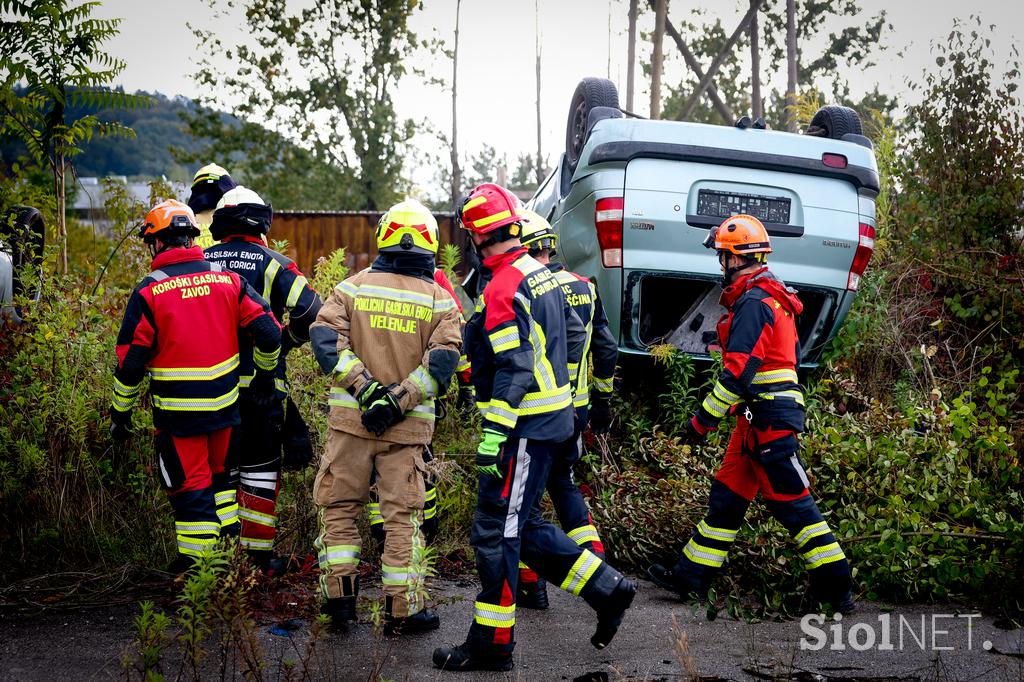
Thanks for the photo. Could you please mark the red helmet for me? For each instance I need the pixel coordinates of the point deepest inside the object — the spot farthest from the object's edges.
(489, 207)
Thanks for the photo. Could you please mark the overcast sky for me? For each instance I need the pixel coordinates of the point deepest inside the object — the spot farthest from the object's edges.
(496, 62)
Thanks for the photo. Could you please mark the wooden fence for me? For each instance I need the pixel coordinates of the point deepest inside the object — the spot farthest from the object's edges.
(314, 234)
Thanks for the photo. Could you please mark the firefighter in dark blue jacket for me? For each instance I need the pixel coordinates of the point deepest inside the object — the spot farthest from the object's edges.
(241, 222)
(761, 350)
(519, 347)
(571, 508)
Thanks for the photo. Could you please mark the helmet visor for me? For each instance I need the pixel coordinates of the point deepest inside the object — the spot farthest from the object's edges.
(709, 241)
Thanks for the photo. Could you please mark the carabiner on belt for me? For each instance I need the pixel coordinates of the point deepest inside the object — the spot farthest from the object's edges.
(748, 414)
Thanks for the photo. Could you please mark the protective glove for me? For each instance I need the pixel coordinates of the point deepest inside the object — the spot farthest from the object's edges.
(371, 392)
(121, 425)
(383, 413)
(695, 433)
(262, 388)
(488, 452)
(600, 415)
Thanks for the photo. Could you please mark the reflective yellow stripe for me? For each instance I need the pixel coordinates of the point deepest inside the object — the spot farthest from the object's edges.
(704, 555)
(499, 412)
(424, 411)
(443, 305)
(400, 295)
(776, 376)
(193, 527)
(542, 402)
(266, 361)
(826, 554)
(584, 534)
(397, 575)
(269, 275)
(723, 534)
(260, 518)
(812, 531)
(347, 288)
(339, 554)
(196, 404)
(714, 406)
(123, 404)
(493, 218)
(194, 373)
(603, 385)
(125, 389)
(346, 361)
(581, 572)
(228, 515)
(797, 396)
(725, 395)
(256, 543)
(426, 383)
(493, 615)
(339, 397)
(298, 285)
(504, 339)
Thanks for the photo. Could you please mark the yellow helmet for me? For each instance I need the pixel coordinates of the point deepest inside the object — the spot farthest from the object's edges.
(408, 226)
(537, 232)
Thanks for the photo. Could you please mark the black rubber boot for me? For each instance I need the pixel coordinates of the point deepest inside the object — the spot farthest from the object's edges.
(667, 579)
(844, 605)
(423, 621)
(341, 611)
(270, 564)
(532, 595)
(465, 657)
(612, 611)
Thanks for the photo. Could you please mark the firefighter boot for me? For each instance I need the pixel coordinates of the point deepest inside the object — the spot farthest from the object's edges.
(532, 595)
(342, 610)
(467, 657)
(685, 587)
(269, 563)
(421, 621)
(610, 594)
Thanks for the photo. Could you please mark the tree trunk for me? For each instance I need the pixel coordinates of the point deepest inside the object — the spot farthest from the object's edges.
(756, 106)
(456, 189)
(657, 57)
(58, 191)
(791, 64)
(539, 170)
(631, 54)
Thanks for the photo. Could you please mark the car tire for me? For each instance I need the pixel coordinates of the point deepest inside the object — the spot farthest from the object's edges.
(27, 231)
(590, 93)
(834, 121)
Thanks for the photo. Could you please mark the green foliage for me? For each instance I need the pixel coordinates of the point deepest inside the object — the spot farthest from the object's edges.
(329, 272)
(326, 74)
(448, 259)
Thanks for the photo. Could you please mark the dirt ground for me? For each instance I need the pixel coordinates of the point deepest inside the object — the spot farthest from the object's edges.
(660, 640)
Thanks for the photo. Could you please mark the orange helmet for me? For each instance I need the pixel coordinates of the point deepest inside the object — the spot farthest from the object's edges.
(743, 235)
(489, 207)
(169, 218)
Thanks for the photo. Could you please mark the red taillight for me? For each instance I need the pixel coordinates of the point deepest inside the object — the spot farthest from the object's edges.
(608, 221)
(865, 247)
(834, 160)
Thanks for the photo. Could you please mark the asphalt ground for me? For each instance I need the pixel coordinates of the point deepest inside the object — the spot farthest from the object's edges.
(660, 639)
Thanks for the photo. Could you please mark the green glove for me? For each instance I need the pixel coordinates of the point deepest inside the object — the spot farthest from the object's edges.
(488, 452)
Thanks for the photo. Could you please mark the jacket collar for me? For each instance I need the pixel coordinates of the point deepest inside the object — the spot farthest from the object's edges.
(497, 261)
(176, 255)
(243, 238)
(556, 266)
(765, 280)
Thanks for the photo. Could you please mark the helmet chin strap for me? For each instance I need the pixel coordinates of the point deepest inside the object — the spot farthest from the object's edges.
(730, 273)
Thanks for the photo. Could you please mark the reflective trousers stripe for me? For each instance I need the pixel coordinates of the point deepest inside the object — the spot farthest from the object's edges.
(584, 534)
(493, 615)
(827, 554)
(706, 556)
(581, 572)
(723, 534)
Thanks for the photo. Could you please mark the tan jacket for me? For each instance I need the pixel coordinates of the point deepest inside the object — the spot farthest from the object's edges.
(396, 329)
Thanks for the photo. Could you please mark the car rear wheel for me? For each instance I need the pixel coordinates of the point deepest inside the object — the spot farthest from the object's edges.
(27, 238)
(834, 121)
(590, 93)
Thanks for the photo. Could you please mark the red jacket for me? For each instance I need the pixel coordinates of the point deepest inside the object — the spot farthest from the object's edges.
(181, 326)
(761, 350)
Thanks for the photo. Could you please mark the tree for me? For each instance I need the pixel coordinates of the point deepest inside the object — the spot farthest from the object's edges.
(53, 58)
(483, 166)
(657, 55)
(322, 77)
(456, 180)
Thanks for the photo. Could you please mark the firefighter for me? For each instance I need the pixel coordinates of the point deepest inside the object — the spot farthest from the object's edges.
(209, 184)
(519, 346)
(390, 336)
(182, 326)
(581, 294)
(759, 384)
(241, 223)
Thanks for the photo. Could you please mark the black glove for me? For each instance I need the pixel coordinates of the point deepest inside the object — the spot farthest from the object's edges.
(121, 425)
(262, 388)
(600, 415)
(288, 342)
(383, 413)
(693, 434)
(298, 448)
(371, 392)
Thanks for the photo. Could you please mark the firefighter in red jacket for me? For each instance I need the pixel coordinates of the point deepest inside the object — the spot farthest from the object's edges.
(520, 342)
(182, 326)
(571, 508)
(759, 384)
(240, 223)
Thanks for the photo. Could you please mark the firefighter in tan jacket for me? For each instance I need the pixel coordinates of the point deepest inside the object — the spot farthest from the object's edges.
(391, 337)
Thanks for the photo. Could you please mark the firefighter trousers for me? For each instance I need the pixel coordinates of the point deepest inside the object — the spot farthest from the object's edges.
(342, 489)
(197, 476)
(570, 507)
(259, 460)
(508, 525)
(765, 461)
